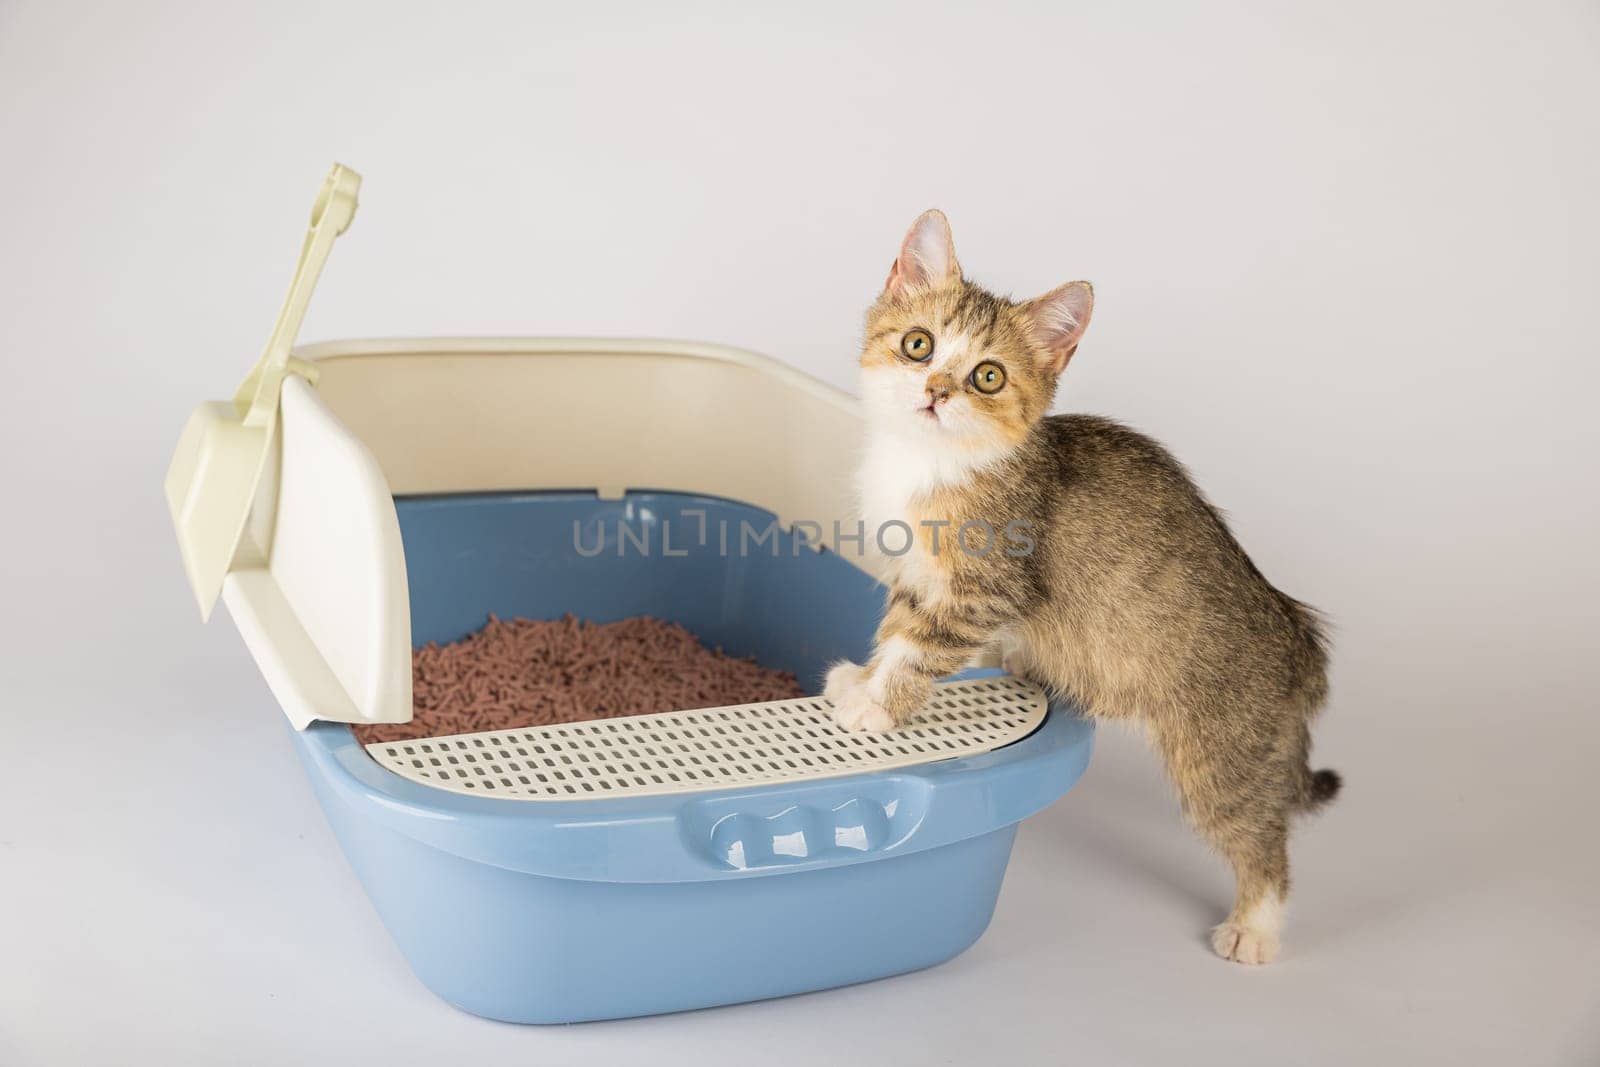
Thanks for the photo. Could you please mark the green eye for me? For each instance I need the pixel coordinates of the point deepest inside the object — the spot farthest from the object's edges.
(988, 377)
(917, 345)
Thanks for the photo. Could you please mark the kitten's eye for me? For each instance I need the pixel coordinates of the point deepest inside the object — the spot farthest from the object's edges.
(917, 345)
(988, 377)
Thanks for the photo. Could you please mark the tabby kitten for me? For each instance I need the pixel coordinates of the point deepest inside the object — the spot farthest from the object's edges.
(1135, 600)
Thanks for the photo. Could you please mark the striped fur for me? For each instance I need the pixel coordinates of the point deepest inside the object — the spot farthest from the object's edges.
(1136, 601)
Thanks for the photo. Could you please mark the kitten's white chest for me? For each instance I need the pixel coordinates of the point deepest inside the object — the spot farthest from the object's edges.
(888, 482)
(892, 480)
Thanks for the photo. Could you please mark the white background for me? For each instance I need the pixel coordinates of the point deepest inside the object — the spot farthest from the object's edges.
(1346, 260)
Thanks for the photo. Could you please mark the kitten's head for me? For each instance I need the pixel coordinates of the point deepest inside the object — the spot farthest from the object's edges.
(955, 366)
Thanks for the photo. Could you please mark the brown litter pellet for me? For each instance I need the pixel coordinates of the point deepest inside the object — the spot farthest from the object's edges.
(528, 672)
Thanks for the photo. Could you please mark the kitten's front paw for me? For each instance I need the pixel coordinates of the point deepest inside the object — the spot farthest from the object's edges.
(853, 709)
(1242, 944)
(843, 677)
(859, 712)
(1013, 659)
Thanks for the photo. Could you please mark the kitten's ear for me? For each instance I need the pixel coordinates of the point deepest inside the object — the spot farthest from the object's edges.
(1058, 319)
(927, 255)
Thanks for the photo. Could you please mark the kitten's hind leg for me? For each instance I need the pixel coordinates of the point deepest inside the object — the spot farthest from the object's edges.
(1260, 862)
(1239, 778)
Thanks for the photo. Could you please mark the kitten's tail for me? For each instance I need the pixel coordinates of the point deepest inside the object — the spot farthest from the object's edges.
(1318, 788)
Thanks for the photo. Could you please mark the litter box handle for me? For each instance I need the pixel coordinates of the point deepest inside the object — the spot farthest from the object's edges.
(257, 396)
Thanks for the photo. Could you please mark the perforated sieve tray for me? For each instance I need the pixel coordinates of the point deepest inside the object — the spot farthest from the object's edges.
(713, 748)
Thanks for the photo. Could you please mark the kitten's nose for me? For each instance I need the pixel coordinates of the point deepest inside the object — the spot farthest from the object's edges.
(938, 392)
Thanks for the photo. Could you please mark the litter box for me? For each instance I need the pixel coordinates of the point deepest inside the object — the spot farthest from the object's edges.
(360, 497)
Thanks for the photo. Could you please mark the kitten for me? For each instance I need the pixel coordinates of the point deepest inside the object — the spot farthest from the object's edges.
(1135, 600)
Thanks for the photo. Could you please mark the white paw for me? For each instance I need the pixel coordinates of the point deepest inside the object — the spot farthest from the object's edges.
(1012, 659)
(859, 712)
(1243, 944)
(853, 707)
(843, 677)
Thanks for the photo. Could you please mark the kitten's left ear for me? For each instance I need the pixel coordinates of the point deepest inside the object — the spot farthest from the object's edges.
(927, 257)
(1058, 319)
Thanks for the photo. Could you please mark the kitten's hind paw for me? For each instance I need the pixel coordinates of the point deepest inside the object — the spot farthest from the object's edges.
(1244, 944)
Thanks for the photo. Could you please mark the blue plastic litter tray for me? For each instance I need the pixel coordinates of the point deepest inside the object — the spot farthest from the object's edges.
(595, 908)
(360, 498)
(357, 498)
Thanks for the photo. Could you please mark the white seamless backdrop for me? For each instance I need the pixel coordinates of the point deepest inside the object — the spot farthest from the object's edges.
(1345, 259)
